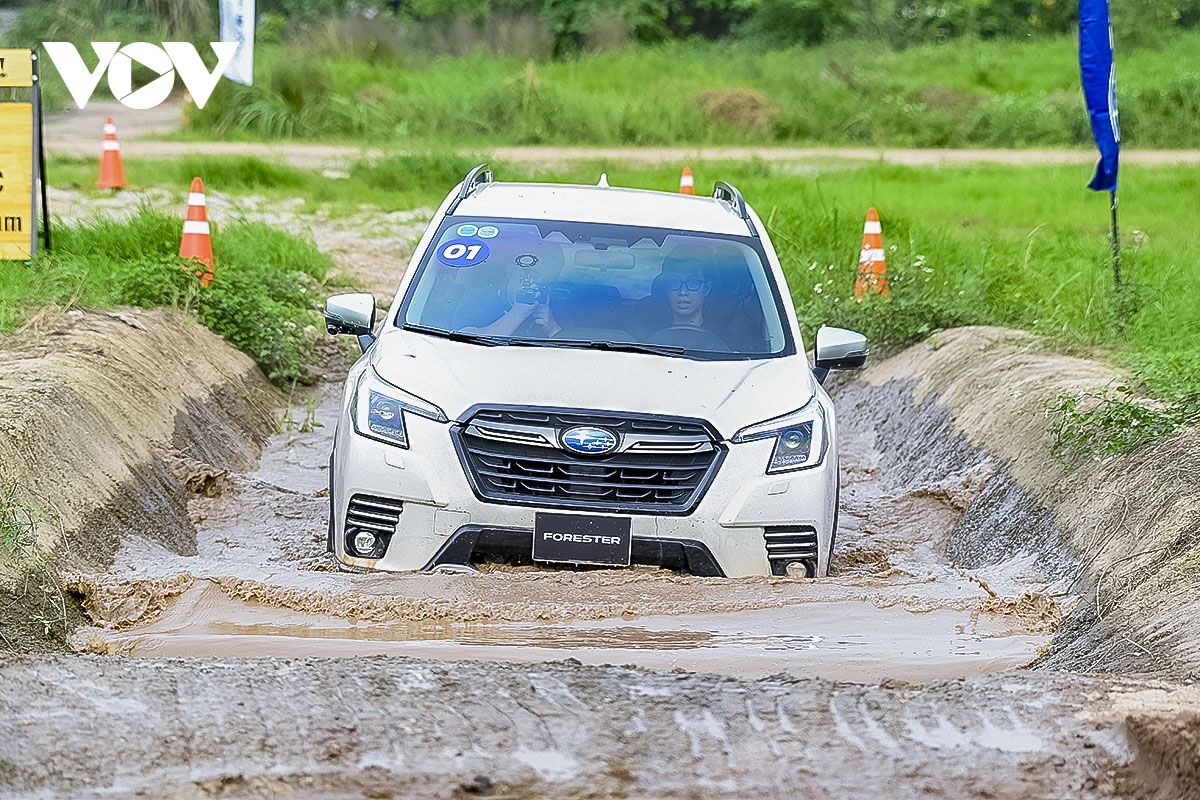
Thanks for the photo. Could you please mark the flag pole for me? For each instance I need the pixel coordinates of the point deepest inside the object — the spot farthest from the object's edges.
(1098, 78)
(1116, 242)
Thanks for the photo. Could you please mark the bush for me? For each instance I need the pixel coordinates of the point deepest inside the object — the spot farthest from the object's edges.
(262, 300)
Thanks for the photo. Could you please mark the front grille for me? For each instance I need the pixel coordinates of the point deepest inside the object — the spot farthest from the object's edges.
(379, 514)
(661, 465)
(788, 544)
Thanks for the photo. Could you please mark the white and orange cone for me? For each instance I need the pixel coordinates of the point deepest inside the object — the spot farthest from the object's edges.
(112, 171)
(872, 266)
(687, 184)
(196, 245)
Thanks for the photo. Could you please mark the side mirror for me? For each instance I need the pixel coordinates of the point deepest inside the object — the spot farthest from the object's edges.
(837, 348)
(353, 314)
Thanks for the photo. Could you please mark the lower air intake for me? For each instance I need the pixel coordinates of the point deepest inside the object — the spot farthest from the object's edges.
(378, 514)
(789, 544)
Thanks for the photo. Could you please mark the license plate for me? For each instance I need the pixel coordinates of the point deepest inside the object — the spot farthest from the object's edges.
(576, 539)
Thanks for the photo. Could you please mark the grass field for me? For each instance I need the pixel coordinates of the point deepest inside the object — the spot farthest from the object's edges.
(960, 94)
(1024, 246)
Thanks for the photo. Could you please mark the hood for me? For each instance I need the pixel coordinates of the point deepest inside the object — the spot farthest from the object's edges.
(456, 376)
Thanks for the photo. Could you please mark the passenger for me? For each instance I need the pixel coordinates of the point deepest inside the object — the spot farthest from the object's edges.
(511, 307)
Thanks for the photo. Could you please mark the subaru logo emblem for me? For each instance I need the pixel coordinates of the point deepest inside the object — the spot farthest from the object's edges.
(589, 441)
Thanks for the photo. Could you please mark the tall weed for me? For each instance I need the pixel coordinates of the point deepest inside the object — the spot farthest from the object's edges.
(961, 93)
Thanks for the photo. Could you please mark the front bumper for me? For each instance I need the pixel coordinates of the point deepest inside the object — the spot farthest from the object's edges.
(730, 522)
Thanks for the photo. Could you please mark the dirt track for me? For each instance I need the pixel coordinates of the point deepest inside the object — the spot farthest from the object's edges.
(384, 727)
(77, 133)
(959, 534)
(393, 726)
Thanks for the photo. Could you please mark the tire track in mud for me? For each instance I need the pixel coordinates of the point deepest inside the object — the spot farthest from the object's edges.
(383, 727)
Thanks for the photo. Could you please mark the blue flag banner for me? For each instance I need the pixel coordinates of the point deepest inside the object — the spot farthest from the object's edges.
(237, 25)
(1100, 89)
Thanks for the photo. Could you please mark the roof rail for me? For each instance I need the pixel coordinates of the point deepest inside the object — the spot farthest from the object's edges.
(480, 175)
(729, 194)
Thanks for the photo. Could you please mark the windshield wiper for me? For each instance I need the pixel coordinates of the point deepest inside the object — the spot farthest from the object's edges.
(492, 341)
(459, 336)
(630, 347)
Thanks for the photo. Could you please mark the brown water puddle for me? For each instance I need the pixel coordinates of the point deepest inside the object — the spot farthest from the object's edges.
(845, 640)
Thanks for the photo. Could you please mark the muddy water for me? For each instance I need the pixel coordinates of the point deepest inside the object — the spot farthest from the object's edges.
(261, 585)
(853, 641)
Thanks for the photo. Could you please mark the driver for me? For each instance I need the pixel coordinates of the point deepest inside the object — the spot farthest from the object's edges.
(687, 288)
(686, 282)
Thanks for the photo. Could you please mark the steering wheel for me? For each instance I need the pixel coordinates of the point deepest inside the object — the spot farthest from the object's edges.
(691, 337)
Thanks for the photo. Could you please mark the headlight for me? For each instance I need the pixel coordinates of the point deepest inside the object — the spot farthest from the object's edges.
(799, 438)
(379, 410)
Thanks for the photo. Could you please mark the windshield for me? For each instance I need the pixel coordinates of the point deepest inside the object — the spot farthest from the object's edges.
(585, 284)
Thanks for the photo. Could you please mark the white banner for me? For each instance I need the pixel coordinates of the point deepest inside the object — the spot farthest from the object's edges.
(237, 25)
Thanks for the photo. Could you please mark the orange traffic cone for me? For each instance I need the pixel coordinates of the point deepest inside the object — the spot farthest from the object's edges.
(112, 171)
(687, 184)
(197, 244)
(872, 267)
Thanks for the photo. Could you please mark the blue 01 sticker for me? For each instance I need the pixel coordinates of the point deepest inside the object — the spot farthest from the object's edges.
(463, 253)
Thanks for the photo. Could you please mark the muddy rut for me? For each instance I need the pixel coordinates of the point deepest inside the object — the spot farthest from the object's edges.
(235, 661)
(260, 584)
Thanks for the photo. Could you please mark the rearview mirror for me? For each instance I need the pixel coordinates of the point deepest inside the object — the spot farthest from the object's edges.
(837, 348)
(353, 314)
(605, 259)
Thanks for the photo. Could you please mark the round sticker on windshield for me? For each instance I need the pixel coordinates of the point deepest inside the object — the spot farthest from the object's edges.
(461, 253)
(467, 230)
(488, 232)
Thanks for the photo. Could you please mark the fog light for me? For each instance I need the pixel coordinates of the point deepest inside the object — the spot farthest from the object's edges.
(364, 543)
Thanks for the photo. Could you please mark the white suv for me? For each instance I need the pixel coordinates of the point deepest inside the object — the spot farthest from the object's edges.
(587, 375)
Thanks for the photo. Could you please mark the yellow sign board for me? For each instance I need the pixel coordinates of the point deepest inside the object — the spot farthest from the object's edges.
(16, 181)
(16, 68)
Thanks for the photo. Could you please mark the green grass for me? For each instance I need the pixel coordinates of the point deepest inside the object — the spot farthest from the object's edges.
(1011, 245)
(264, 298)
(962, 93)
(33, 605)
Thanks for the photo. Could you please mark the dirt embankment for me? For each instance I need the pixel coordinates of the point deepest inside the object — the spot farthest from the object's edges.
(1123, 533)
(110, 422)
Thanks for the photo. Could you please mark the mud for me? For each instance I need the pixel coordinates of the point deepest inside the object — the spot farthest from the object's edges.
(260, 584)
(387, 727)
(853, 640)
(949, 565)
